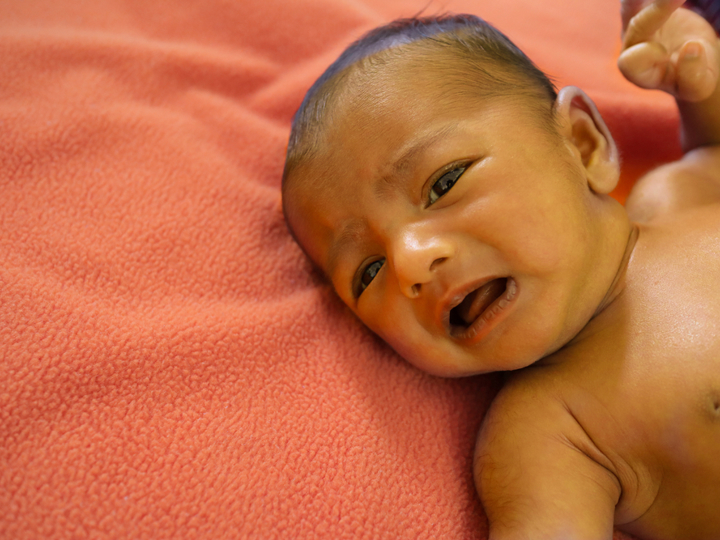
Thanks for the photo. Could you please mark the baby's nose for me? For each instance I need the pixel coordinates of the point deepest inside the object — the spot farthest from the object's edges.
(417, 258)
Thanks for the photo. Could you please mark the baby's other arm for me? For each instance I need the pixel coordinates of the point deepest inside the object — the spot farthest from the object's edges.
(675, 50)
(539, 475)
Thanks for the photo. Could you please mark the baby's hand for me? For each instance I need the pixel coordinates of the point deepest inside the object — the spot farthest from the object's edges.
(669, 49)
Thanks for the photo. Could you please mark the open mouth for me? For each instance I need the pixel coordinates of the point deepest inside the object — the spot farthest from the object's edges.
(480, 304)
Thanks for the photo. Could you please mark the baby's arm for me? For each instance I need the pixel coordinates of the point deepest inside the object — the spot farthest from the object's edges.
(539, 475)
(660, 42)
(675, 50)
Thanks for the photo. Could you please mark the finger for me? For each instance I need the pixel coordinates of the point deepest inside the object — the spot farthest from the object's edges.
(644, 64)
(696, 79)
(630, 8)
(642, 26)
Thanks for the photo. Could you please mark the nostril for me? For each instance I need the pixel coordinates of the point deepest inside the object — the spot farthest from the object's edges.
(416, 289)
(437, 262)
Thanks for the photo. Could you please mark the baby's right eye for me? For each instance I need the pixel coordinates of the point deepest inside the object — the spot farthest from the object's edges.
(368, 274)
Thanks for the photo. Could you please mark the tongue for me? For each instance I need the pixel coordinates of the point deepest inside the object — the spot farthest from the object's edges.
(479, 300)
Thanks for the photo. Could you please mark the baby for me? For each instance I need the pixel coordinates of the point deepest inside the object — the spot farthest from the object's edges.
(460, 207)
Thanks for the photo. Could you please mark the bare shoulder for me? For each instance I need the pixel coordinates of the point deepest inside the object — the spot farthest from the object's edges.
(538, 474)
(531, 409)
(681, 185)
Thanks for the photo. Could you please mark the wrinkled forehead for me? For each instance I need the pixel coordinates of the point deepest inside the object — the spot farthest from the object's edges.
(369, 121)
(378, 109)
(400, 87)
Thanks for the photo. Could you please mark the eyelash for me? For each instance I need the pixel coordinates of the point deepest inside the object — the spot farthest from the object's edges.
(453, 175)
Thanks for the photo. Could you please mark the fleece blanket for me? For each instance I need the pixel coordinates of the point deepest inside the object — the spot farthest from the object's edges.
(170, 364)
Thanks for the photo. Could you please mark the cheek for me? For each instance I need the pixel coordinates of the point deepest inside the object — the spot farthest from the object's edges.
(386, 318)
(525, 235)
(536, 229)
(396, 324)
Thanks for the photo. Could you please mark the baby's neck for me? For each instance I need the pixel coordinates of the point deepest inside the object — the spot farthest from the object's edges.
(612, 292)
(618, 283)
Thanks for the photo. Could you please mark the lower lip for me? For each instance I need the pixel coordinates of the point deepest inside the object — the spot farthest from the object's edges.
(491, 317)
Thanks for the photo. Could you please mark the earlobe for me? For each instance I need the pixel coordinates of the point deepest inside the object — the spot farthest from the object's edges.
(585, 130)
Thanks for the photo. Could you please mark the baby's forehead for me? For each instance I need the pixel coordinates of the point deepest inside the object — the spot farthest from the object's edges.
(369, 106)
(404, 70)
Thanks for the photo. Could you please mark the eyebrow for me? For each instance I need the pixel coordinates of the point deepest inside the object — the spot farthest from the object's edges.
(350, 230)
(403, 163)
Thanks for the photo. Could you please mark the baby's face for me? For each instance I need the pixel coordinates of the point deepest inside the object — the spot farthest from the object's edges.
(458, 232)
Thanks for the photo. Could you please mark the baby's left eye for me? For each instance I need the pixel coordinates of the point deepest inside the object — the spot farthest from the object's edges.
(443, 184)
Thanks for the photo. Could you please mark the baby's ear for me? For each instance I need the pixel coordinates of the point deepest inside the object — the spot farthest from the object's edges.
(585, 130)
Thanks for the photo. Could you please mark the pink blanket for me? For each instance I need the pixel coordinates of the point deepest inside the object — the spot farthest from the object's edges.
(170, 364)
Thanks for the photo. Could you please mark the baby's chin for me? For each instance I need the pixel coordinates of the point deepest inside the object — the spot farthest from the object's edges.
(455, 364)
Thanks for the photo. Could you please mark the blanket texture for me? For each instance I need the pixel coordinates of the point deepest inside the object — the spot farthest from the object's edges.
(170, 364)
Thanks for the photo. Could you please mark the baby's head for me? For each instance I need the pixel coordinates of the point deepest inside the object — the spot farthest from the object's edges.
(456, 201)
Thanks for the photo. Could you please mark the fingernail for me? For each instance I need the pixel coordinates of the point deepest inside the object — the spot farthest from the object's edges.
(692, 51)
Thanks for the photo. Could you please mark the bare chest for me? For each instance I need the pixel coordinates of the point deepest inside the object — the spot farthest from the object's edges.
(653, 384)
(668, 319)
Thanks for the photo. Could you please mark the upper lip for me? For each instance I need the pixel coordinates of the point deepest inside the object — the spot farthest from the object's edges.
(454, 298)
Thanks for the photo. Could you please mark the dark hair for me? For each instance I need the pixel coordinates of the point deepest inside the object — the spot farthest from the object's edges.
(490, 65)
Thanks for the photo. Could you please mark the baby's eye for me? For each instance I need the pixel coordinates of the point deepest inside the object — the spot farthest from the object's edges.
(368, 274)
(443, 184)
